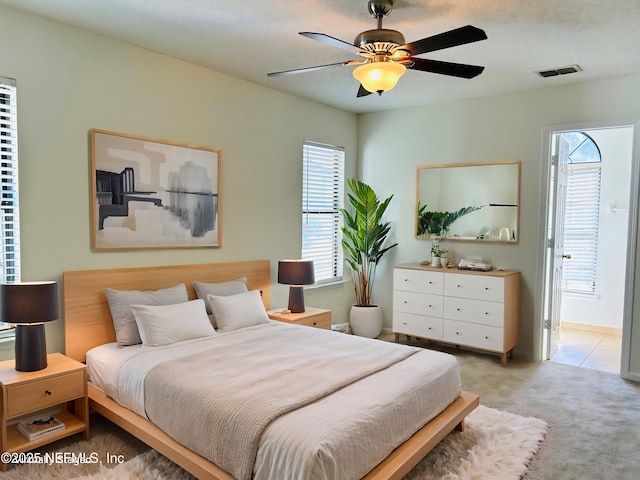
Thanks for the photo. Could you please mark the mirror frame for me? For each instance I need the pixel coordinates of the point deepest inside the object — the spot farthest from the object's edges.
(421, 168)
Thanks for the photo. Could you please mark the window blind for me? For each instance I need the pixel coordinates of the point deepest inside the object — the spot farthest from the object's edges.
(581, 228)
(9, 213)
(322, 198)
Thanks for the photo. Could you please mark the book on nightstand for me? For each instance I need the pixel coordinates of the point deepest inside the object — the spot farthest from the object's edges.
(40, 428)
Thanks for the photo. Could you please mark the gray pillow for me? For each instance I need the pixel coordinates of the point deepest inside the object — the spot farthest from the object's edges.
(120, 302)
(221, 289)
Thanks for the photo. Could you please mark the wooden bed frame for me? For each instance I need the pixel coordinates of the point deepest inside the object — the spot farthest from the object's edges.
(88, 324)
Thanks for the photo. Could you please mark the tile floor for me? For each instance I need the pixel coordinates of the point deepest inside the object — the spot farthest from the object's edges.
(588, 349)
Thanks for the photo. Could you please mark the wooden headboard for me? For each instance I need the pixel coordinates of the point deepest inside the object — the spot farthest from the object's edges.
(87, 318)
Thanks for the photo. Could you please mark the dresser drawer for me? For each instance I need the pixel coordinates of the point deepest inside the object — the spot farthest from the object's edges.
(477, 287)
(418, 325)
(418, 303)
(39, 394)
(473, 335)
(418, 281)
(474, 311)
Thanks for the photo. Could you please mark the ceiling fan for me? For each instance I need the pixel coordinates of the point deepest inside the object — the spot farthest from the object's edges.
(387, 56)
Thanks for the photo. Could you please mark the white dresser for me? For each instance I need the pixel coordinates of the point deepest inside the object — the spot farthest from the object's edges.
(480, 310)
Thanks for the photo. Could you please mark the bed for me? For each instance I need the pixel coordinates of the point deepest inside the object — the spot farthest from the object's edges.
(404, 438)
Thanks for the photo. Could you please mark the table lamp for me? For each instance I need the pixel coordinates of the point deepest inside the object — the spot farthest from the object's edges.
(28, 305)
(296, 273)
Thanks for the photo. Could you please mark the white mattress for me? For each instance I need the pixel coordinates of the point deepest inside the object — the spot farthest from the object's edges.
(343, 435)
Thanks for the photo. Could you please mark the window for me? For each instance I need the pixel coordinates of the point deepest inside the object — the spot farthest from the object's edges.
(582, 214)
(322, 198)
(9, 213)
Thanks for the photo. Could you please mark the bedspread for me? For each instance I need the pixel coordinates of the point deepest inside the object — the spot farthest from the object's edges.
(218, 402)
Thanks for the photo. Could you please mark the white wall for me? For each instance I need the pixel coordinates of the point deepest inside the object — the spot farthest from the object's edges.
(70, 81)
(606, 310)
(499, 128)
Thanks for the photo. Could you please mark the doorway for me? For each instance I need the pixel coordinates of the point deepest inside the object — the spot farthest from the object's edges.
(589, 185)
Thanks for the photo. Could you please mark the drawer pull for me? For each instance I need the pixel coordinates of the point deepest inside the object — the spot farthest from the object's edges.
(486, 338)
(486, 288)
(457, 309)
(47, 392)
(314, 324)
(406, 279)
(430, 283)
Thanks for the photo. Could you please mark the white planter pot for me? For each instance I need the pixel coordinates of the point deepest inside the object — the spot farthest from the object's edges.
(366, 321)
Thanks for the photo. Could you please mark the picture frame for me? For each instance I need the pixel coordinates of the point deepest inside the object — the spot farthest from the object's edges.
(151, 193)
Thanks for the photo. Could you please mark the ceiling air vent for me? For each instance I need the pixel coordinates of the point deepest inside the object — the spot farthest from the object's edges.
(554, 72)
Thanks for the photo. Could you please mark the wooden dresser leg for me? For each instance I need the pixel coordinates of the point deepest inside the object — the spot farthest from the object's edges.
(397, 337)
(503, 359)
(460, 426)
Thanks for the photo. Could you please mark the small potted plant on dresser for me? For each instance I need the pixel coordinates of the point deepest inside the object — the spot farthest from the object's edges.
(363, 242)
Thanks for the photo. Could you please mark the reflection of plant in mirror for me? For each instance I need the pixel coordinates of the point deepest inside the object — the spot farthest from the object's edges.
(439, 223)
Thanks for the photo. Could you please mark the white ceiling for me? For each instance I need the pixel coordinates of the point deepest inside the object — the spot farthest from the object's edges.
(249, 38)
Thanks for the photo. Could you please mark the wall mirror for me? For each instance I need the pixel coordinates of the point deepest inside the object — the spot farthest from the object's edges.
(469, 201)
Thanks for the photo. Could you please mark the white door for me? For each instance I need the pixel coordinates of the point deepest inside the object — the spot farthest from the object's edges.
(555, 243)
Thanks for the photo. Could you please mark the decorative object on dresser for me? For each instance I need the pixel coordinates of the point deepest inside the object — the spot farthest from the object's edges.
(296, 273)
(480, 310)
(61, 386)
(28, 306)
(312, 317)
(363, 243)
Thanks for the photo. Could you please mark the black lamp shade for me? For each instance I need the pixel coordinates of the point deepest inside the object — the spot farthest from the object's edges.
(28, 305)
(296, 273)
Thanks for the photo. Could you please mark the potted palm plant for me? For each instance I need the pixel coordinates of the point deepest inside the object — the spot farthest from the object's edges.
(363, 242)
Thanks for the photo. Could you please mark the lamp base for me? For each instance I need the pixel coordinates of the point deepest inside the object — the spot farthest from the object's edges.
(296, 299)
(31, 347)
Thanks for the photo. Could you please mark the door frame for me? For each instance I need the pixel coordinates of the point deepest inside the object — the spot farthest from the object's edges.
(543, 221)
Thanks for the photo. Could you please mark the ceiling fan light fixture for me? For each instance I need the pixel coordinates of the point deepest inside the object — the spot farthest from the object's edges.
(379, 76)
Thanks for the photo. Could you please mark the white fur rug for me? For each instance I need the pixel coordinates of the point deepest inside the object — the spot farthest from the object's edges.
(495, 445)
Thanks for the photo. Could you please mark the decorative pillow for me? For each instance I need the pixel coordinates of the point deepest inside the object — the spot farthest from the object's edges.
(221, 289)
(237, 311)
(120, 302)
(165, 324)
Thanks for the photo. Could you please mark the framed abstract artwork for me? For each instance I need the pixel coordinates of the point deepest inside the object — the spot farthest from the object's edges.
(150, 193)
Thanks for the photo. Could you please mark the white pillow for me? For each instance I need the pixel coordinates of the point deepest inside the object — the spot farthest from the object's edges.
(165, 324)
(237, 311)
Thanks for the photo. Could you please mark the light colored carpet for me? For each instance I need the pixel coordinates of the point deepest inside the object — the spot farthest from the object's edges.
(495, 444)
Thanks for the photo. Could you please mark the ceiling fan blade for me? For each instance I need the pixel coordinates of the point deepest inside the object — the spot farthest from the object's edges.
(446, 68)
(452, 38)
(311, 69)
(362, 92)
(334, 42)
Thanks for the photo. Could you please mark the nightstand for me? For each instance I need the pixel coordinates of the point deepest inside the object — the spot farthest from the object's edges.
(313, 317)
(63, 383)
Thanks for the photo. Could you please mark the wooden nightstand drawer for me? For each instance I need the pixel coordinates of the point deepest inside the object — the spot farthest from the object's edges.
(318, 321)
(26, 397)
(312, 317)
